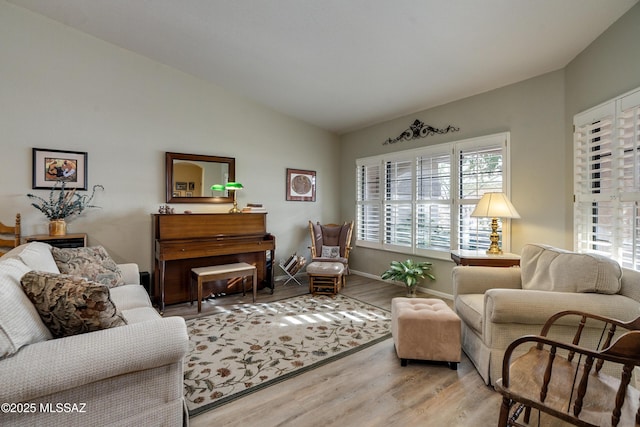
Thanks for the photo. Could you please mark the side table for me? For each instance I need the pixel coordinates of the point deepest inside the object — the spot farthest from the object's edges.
(481, 258)
(67, 241)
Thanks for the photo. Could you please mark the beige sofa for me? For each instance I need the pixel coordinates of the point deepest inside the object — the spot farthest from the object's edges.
(128, 375)
(498, 305)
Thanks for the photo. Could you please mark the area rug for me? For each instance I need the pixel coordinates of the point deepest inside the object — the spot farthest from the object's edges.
(252, 346)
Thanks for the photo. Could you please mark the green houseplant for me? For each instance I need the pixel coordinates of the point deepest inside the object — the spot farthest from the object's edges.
(62, 204)
(408, 272)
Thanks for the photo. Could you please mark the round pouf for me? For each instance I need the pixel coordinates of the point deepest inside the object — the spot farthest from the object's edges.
(425, 329)
(325, 278)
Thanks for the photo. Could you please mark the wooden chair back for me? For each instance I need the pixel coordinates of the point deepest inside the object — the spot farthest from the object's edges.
(342, 238)
(9, 236)
(565, 380)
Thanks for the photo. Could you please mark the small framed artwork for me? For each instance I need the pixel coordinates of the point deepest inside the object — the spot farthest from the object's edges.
(189, 194)
(192, 186)
(176, 194)
(181, 186)
(52, 166)
(301, 185)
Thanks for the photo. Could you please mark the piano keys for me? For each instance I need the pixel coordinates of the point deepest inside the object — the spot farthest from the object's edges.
(184, 241)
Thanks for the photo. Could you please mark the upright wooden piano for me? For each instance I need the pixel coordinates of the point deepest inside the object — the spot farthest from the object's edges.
(185, 241)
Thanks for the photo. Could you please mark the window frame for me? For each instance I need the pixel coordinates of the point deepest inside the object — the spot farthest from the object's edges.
(454, 201)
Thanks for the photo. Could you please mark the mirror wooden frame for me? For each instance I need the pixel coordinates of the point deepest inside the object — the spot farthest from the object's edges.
(171, 157)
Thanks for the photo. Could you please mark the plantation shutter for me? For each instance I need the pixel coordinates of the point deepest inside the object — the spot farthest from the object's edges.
(398, 202)
(433, 201)
(629, 131)
(607, 180)
(368, 203)
(416, 201)
(481, 169)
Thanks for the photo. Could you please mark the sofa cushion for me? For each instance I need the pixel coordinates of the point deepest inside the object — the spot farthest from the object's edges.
(36, 255)
(129, 296)
(551, 269)
(20, 323)
(140, 314)
(630, 284)
(470, 308)
(93, 263)
(71, 305)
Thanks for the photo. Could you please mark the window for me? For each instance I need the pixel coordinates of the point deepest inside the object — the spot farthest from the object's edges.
(420, 201)
(607, 180)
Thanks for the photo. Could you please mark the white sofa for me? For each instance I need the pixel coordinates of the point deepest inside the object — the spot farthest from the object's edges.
(498, 304)
(130, 375)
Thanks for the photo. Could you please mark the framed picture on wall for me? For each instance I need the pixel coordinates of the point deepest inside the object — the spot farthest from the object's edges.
(52, 166)
(301, 185)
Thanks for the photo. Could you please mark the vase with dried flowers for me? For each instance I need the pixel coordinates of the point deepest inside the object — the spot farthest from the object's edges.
(62, 204)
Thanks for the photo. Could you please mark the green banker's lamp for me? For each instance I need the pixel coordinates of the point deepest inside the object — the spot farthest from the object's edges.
(233, 186)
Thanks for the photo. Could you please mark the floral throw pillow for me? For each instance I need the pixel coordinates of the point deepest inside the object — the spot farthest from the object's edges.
(93, 263)
(71, 305)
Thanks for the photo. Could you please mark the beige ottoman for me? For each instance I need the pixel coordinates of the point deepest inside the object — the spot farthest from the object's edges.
(325, 278)
(425, 329)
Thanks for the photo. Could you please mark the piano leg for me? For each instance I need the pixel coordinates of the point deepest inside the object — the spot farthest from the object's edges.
(162, 269)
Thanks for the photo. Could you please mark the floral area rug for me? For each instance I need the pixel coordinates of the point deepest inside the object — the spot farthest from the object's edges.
(251, 346)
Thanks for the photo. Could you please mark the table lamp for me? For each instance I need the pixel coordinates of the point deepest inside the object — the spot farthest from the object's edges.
(233, 186)
(494, 206)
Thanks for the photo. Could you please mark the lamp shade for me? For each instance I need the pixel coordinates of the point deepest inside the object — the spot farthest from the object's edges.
(234, 186)
(218, 187)
(495, 205)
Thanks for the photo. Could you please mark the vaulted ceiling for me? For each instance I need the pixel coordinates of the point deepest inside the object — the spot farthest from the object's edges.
(346, 64)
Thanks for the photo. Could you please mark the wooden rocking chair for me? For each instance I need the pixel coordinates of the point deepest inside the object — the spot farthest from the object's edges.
(336, 236)
(572, 386)
(9, 236)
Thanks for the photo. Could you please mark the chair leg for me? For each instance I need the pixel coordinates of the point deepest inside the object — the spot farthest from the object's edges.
(504, 412)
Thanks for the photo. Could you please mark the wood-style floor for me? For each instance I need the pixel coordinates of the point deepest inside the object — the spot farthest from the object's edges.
(368, 388)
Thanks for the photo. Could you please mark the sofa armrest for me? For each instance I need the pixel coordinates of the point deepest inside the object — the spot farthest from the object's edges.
(130, 273)
(534, 307)
(477, 280)
(56, 365)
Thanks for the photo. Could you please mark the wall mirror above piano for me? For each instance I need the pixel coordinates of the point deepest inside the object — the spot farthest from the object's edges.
(190, 177)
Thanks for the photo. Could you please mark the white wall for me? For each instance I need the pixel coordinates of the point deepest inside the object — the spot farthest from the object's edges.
(63, 89)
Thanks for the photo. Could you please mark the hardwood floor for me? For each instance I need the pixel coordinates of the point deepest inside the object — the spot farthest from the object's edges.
(368, 388)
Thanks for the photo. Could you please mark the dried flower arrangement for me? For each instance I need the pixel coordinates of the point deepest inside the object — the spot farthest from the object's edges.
(63, 203)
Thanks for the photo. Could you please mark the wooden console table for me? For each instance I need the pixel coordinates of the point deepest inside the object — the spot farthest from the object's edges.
(186, 241)
(481, 258)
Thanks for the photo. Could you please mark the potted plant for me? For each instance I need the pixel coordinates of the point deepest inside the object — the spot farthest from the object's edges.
(408, 272)
(62, 204)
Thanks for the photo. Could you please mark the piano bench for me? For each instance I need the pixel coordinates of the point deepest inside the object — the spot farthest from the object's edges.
(221, 272)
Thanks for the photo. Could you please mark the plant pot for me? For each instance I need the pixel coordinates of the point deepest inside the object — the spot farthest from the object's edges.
(57, 227)
(412, 291)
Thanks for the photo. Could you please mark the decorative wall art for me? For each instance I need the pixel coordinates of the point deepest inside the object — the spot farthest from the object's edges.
(301, 185)
(52, 166)
(419, 130)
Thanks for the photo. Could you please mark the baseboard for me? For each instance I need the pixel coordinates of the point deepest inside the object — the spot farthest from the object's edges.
(422, 289)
